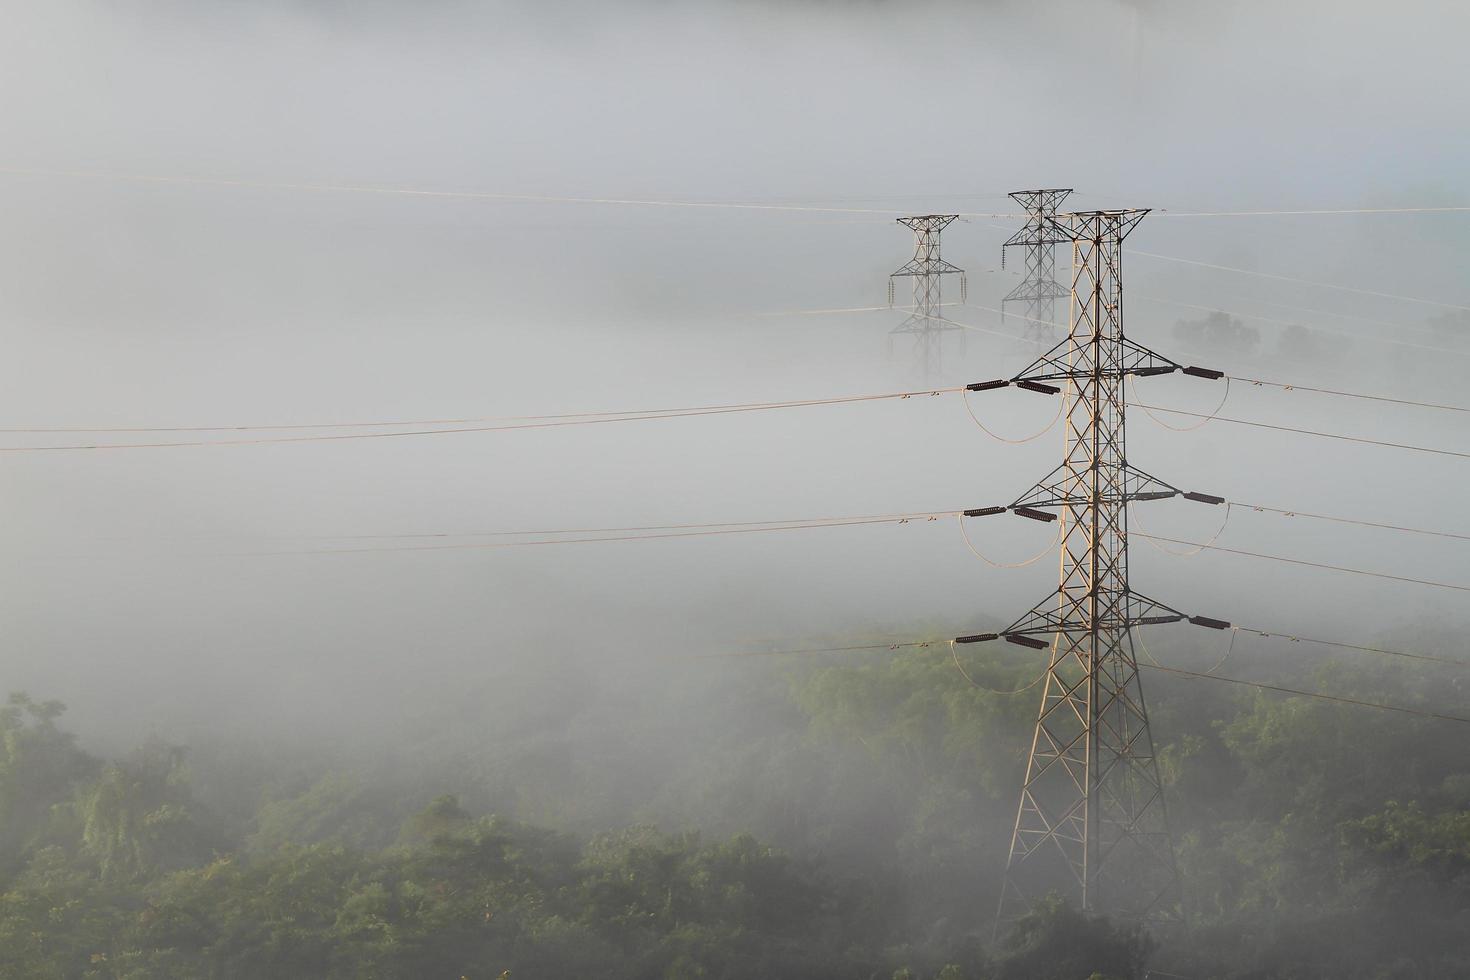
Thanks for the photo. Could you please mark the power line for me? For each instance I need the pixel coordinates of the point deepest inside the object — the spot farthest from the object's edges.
(899, 517)
(970, 409)
(794, 523)
(1214, 413)
(1348, 520)
(979, 329)
(1307, 282)
(623, 415)
(1351, 394)
(954, 654)
(1165, 213)
(715, 205)
(1278, 321)
(1308, 564)
(502, 197)
(599, 539)
(1294, 638)
(1296, 692)
(1309, 694)
(1376, 321)
(843, 309)
(647, 202)
(817, 650)
(553, 421)
(561, 535)
(1309, 432)
(617, 415)
(443, 194)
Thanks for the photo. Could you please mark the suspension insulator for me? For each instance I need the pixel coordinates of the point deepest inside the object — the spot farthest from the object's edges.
(1209, 374)
(1038, 387)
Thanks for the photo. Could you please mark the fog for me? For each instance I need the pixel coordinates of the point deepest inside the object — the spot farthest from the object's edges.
(196, 234)
(156, 303)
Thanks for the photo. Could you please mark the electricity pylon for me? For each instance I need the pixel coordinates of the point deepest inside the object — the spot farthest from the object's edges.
(1039, 290)
(927, 269)
(1091, 823)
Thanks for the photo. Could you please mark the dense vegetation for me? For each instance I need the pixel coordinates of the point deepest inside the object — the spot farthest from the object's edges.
(851, 823)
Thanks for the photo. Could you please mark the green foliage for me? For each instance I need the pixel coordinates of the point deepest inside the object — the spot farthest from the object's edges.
(1316, 841)
(1405, 833)
(138, 817)
(1057, 942)
(338, 807)
(40, 766)
(441, 818)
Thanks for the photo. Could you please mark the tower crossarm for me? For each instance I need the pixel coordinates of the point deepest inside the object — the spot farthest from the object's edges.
(1042, 227)
(1119, 609)
(926, 272)
(1043, 620)
(926, 267)
(1036, 289)
(1070, 361)
(1060, 488)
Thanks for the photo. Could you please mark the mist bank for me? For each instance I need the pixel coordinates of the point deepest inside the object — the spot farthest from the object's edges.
(852, 815)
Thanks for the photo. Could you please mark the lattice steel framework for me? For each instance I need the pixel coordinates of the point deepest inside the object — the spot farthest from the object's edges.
(1039, 289)
(1091, 822)
(927, 269)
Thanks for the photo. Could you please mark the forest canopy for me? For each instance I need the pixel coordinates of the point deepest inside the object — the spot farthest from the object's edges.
(851, 822)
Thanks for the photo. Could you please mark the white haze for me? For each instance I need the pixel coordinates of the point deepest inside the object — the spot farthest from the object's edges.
(159, 303)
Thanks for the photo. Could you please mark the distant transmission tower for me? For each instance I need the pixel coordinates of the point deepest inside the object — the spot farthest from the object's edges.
(1039, 290)
(1091, 823)
(925, 322)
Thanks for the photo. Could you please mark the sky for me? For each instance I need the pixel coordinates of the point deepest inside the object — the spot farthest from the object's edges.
(192, 242)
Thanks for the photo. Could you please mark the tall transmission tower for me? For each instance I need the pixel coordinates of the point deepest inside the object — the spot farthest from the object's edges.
(1091, 823)
(927, 269)
(1039, 289)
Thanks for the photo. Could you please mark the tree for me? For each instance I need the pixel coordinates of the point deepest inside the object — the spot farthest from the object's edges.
(40, 767)
(1218, 333)
(1055, 941)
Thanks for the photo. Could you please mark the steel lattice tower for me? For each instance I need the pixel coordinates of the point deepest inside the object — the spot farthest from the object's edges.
(1091, 823)
(927, 270)
(1039, 290)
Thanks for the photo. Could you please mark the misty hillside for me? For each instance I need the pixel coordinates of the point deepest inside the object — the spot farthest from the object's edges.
(514, 489)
